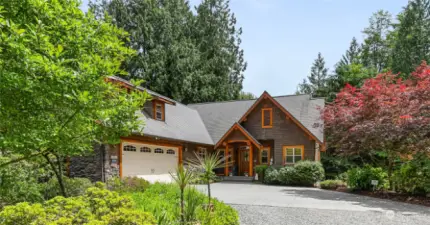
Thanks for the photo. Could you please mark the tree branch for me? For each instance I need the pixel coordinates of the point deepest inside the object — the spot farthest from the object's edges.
(22, 158)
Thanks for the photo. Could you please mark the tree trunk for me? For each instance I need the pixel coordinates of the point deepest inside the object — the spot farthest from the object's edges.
(58, 174)
(182, 207)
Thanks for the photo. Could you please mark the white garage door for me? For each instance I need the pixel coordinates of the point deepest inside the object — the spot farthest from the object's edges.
(145, 159)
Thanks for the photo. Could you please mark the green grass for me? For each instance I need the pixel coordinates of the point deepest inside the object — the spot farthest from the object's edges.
(162, 200)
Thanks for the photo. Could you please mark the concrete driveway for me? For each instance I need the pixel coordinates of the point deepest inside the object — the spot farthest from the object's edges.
(261, 204)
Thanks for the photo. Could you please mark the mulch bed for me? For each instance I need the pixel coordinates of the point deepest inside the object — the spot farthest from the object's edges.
(399, 197)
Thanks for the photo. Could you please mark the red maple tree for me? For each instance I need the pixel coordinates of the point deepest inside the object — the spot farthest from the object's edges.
(386, 114)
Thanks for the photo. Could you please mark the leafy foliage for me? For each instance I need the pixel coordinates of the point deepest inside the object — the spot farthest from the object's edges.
(271, 176)
(303, 173)
(73, 186)
(20, 182)
(360, 178)
(332, 184)
(411, 37)
(97, 206)
(317, 79)
(205, 166)
(127, 184)
(55, 100)
(414, 176)
(190, 57)
(162, 200)
(386, 114)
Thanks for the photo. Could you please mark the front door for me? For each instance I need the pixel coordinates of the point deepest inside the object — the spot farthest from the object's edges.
(243, 161)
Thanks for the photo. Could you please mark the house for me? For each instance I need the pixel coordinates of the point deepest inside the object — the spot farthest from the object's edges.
(265, 131)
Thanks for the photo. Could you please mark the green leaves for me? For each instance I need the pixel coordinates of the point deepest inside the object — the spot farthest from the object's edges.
(54, 62)
(190, 57)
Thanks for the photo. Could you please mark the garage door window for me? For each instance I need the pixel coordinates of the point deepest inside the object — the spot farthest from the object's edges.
(170, 152)
(158, 150)
(145, 149)
(129, 148)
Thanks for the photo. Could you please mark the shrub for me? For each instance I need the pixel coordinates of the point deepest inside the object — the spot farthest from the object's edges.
(286, 175)
(221, 214)
(307, 173)
(332, 184)
(360, 178)
(261, 170)
(343, 177)
(19, 181)
(23, 214)
(162, 200)
(74, 187)
(271, 176)
(127, 184)
(413, 177)
(303, 173)
(98, 206)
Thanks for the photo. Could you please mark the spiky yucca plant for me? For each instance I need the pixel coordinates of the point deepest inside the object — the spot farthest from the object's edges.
(183, 177)
(205, 165)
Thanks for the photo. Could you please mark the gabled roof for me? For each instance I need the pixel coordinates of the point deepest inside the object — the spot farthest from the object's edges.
(218, 116)
(206, 123)
(181, 122)
(237, 126)
(267, 96)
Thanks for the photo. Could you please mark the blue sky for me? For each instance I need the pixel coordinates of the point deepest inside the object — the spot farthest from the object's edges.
(281, 38)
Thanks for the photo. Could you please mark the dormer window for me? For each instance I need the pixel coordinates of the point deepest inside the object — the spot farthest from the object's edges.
(158, 110)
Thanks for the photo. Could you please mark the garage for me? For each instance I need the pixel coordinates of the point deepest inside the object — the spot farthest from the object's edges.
(146, 159)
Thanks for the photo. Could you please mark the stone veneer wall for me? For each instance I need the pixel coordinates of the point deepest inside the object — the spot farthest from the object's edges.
(100, 165)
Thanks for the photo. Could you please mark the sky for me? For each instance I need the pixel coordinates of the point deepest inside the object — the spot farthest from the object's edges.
(282, 38)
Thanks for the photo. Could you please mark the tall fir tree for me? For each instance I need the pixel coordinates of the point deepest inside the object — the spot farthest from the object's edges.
(222, 60)
(169, 38)
(352, 55)
(317, 79)
(376, 46)
(412, 37)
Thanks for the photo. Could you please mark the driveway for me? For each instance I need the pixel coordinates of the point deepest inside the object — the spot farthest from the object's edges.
(261, 204)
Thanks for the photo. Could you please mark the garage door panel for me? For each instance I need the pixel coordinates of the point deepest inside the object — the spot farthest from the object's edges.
(143, 162)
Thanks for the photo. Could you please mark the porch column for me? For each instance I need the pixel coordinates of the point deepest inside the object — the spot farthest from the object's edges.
(251, 160)
(226, 160)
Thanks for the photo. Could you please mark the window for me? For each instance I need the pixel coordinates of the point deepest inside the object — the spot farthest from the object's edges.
(201, 152)
(170, 152)
(158, 110)
(159, 150)
(145, 149)
(293, 154)
(266, 118)
(129, 148)
(265, 155)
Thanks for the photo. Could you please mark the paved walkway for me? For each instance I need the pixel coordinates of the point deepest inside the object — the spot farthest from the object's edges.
(261, 204)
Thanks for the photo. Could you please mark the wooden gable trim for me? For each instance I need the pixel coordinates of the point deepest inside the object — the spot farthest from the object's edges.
(130, 87)
(236, 127)
(266, 95)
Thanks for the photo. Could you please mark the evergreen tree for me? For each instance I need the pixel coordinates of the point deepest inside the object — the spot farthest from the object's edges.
(222, 62)
(376, 48)
(246, 96)
(412, 37)
(172, 45)
(317, 79)
(352, 55)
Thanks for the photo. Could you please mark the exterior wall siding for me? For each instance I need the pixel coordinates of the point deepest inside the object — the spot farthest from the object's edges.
(97, 165)
(284, 132)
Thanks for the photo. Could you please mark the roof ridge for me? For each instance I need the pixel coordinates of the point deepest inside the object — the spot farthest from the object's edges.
(241, 100)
